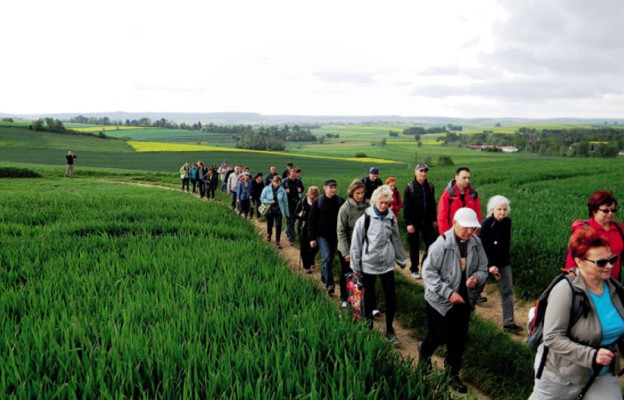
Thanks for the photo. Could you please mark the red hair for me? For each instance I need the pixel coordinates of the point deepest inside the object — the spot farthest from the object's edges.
(390, 180)
(583, 240)
(600, 198)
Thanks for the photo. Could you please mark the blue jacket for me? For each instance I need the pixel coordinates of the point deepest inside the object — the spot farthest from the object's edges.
(243, 191)
(267, 198)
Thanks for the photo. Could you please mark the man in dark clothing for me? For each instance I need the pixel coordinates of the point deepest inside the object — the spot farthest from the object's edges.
(69, 169)
(323, 221)
(270, 175)
(286, 172)
(257, 185)
(293, 188)
(419, 211)
(372, 182)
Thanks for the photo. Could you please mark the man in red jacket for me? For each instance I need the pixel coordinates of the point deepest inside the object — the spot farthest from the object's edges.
(458, 193)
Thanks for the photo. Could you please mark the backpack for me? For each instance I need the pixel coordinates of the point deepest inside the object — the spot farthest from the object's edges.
(367, 220)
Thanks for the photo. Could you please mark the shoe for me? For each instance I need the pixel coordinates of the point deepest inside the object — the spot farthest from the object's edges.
(330, 290)
(268, 238)
(279, 246)
(513, 328)
(392, 338)
(416, 275)
(481, 299)
(457, 385)
(375, 313)
(344, 304)
(308, 271)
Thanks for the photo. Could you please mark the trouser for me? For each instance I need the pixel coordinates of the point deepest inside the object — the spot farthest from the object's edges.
(552, 386)
(277, 217)
(327, 248)
(223, 185)
(194, 182)
(345, 268)
(255, 203)
(307, 253)
(69, 169)
(232, 200)
(450, 329)
(370, 299)
(202, 188)
(210, 192)
(505, 286)
(290, 223)
(244, 207)
(185, 182)
(413, 239)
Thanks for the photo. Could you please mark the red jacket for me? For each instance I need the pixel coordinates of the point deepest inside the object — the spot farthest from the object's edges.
(396, 204)
(613, 235)
(451, 201)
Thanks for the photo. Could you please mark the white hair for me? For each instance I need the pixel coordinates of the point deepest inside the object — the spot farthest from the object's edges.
(382, 192)
(497, 201)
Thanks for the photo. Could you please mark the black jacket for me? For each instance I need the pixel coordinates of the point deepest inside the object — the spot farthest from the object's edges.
(323, 218)
(414, 210)
(496, 238)
(370, 186)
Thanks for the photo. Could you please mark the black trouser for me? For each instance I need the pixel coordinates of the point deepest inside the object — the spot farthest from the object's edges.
(185, 182)
(202, 188)
(194, 182)
(413, 239)
(450, 329)
(290, 222)
(277, 216)
(255, 203)
(244, 207)
(387, 282)
(232, 200)
(307, 253)
(210, 191)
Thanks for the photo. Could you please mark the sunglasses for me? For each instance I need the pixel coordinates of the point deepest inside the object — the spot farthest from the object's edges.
(608, 210)
(602, 262)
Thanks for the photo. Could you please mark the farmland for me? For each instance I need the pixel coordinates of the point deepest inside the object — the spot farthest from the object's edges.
(75, 237)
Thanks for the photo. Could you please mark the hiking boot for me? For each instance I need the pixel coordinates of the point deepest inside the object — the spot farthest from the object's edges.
(278, 245)
(268, 238)
(392, 338)
(416, 275)
(457, 385)
(513, 328)
(375, 313)
(344, 304)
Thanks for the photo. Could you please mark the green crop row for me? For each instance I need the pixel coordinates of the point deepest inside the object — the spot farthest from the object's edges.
(111, 291)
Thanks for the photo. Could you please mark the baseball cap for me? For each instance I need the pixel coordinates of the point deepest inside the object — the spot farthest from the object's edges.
(421, 166)
(374, 171)
(467, 218)
(330, 182)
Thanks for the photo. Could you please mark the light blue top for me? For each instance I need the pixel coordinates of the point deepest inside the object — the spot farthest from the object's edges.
(611, 321)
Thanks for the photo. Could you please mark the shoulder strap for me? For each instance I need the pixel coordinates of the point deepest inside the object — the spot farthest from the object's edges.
(367, 219)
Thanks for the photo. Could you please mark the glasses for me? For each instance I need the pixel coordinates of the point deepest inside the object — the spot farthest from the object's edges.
(608, 210)
(602, 262)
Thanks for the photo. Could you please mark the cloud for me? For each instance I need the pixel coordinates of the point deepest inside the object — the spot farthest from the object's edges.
(329, 76)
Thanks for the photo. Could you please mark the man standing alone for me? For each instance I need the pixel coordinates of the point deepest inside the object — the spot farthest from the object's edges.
(419, 211)
(69, 168)
(456, 263)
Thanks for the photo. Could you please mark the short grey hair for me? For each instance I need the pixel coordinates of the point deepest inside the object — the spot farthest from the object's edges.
(382, 192)
(497, 201)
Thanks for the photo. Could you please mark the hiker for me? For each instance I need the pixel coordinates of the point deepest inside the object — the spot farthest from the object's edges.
(322, 229)
(270, 175)
(185, 173)
(495, 234)
(587, 350)
(222, 171)
(371, 182)
(194, 168)
(302, 211)
(212, 181)
(458, 193)
(232, 183)
(257, 185)
(293, 188)
(69, 167)
(352, 209)
(456, 263)
(202, 174)
(275, 196)
(286, 173)
(243, 195)
(602, 207)
(395, 204)
(419, 212)
(374, 252)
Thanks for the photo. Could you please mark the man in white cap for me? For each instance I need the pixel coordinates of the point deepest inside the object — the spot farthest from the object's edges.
(455, 264)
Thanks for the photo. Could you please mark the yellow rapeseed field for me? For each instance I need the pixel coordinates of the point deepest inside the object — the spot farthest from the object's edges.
(141, 146)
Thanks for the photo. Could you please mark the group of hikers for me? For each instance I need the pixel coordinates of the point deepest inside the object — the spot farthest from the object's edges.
(461, 249)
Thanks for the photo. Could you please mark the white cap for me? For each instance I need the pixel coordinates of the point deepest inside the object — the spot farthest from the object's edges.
(467, 218)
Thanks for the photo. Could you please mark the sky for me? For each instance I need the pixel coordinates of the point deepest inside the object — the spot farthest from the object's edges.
(452, 58)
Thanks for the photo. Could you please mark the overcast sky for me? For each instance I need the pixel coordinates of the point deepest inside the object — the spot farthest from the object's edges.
(525, 58)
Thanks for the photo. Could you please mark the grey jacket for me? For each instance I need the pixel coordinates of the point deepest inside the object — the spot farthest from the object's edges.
(442, 272)
(384, 248)
(348, 214)
(571, 355)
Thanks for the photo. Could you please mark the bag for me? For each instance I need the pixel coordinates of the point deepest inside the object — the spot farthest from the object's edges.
(355, 289)
(263, 209)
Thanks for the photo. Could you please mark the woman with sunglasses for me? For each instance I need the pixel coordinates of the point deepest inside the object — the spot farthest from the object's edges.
(602, 207)
(588, 347)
